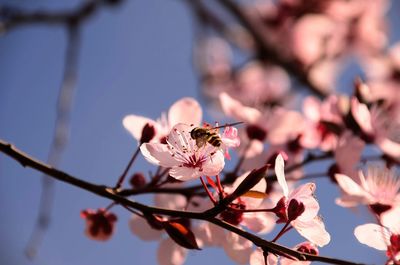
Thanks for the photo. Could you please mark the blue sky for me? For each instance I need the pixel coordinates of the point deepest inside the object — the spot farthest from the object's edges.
(135, 59)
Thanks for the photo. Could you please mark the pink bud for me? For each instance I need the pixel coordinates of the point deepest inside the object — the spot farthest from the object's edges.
(137, 180)
(148, 133)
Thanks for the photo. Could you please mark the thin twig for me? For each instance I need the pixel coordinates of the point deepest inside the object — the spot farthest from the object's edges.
(60, 139)
(123, 175)
(254, 26)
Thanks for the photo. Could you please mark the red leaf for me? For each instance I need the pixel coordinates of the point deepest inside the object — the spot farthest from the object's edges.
(182, 235)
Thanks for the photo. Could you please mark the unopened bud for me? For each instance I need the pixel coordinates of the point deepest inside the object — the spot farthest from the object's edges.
(308, 248)
(148, 133)
(255, 132)
(138, 180)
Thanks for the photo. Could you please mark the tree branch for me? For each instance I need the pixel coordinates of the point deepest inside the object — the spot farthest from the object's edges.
(107, 192)
(266, 50)
(11, 18)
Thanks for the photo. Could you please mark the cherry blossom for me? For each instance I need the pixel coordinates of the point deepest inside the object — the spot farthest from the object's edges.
(186, 160)
(321, 115)
(169, 252)
(385, 237)
(380, 125)
(378, 188)
(186, 110)
(300, 208)
(273, 125)
(99, 224)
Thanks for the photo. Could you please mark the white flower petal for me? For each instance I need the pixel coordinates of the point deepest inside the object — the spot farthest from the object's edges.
(238, 248)
(260, 223)
(237, 110)
(143, 230)
(349, 185)
(280, 174)
(362, 115)
(170, 201)
(170, 253)
(134, 124)
(158, 154)
(372, 235)
(186, 110)
(390, 219)
(214, 165)
(313, 230)
(304, 194)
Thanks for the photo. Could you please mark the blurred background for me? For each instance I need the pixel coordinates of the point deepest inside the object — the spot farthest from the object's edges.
(134, 57)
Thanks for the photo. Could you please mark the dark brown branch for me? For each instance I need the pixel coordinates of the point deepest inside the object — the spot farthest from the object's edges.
(266, 50)
(109, 193)
(10, 17)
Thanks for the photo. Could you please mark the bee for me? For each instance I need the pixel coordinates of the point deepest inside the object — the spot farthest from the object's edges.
(204, 135)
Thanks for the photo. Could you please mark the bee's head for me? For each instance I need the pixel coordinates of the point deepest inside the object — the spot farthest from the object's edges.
(197, 133)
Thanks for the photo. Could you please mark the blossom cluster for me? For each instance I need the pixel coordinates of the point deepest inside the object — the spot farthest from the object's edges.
(248, 174)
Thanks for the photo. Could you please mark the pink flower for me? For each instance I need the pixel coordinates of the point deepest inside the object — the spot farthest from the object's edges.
(186, 160)
(99, 224)
(379, 189)
(300, 208)
(185, 110)
(348, 153)
(318, 115)
(379, 124)
(273, 126)
(168, 252)
(384, 238)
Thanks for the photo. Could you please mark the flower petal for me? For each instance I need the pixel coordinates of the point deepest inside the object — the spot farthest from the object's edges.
(158, 154)
(349, 185)
(362, 115)
(280, 174)
(238, 248)
(237, 110)
(134, 124)
(214, 165)
(186, 110)
(170, 253)
(305, 194)
(313, 230)
(372, 235)
(142, 229)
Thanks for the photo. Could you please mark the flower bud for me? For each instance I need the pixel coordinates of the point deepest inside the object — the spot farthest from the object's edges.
(137, 180)
(99, 224)
(255, 132)
(148, 133)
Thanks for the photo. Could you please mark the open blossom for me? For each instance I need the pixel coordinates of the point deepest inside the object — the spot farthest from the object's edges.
(378, 188)
(186, 160)
(186, 110)
(385, 237)
(300, 208)
(274, 126)
(379, 124)
(319, 115)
